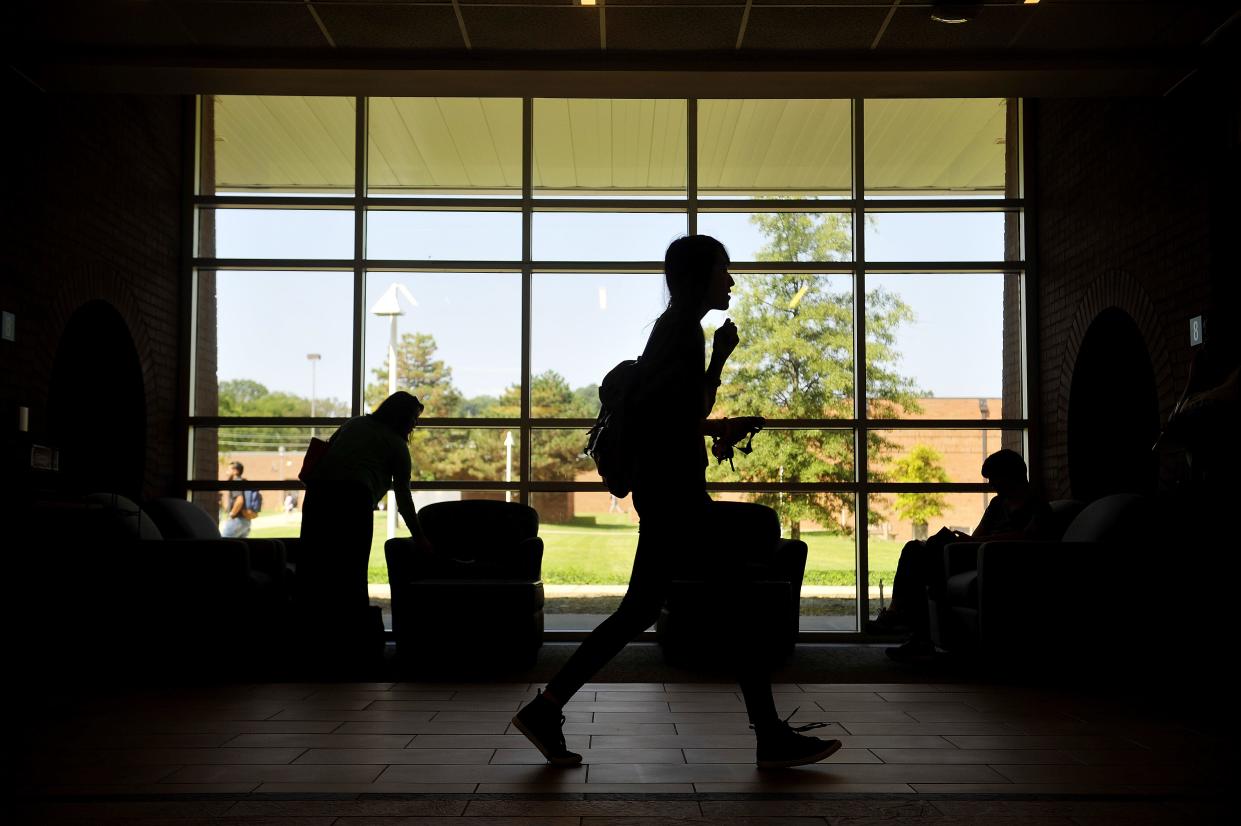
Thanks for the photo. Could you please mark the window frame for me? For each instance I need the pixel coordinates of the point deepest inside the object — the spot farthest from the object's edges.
(858, 206)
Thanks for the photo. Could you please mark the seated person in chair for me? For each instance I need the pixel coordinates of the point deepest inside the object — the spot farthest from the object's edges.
(1016, 512)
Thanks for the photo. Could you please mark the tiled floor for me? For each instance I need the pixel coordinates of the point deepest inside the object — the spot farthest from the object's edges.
(654, 753)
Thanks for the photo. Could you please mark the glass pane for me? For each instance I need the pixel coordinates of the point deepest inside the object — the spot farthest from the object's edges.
(277, 145)
(781, 236)
(795, 359)
(609, 148)
(584, 324)
(477, 454)
(950, 147)
(932, 455)
(605, 236)
(944, 236)
(899, 517)
(760, 147)
(268, 454)
(443, 236)
(556, 455)
(919, 328)
(786, 455)
(589, 540)
(273, 343)
(275, 233)
(444, 146)
(883, 550)
(824, 521)
(458, 340)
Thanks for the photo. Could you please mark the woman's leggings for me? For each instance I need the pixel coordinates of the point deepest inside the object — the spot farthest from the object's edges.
(670, 540)
(337, 522)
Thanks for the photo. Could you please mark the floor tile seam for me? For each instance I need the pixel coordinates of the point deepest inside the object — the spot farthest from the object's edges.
(701, 797)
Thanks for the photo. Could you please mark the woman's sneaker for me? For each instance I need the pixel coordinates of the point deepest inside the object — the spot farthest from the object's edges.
(885, 622)
(781, 746)
(541, 722)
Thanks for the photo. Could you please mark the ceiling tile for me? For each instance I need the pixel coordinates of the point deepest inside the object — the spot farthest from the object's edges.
(835, 29)
(115, 23)
(993, 28)
(259, 25)
(550, 29)
(673, 28)
(1093, 26)
(391, 26)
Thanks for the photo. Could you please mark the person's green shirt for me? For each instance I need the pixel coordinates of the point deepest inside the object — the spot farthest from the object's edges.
(368, 452)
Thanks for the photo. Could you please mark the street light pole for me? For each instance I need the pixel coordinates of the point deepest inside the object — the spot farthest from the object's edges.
(984, 412)
(389, 304)
(508, 463)
(313, 358)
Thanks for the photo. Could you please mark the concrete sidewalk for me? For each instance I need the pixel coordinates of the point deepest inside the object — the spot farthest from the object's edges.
(380, 591)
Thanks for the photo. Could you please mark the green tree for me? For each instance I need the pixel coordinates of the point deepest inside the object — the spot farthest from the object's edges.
(439, 454)
(795, 361)
(420, 373)
(921, 464)
(557, 452)
(246, 397)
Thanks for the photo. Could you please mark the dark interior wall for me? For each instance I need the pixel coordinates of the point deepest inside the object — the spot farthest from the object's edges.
(93, 212)
(1132, 208)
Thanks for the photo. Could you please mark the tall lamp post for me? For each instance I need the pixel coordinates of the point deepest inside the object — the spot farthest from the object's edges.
(313, 358)
(389, 304)
(984, 412)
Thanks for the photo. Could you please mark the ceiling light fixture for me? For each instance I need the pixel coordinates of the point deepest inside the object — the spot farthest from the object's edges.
(954, 12)
(586, 2)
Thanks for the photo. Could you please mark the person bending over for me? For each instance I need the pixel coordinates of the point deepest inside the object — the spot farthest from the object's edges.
(366, 456)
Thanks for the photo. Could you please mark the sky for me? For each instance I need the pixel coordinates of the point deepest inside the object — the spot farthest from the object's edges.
(581, 324)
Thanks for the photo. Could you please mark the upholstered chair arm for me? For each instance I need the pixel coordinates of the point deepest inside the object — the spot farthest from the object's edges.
(788, 559)
(527, 559)
(268, 556)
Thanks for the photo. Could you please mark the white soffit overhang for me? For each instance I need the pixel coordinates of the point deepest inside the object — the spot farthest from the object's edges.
(298, 144)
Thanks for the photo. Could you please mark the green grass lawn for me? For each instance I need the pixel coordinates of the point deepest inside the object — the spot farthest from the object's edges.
(598, 549)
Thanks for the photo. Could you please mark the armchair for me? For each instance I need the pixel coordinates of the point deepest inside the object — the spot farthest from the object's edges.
(125, 590)
(691, 621)
(1028, 596)
(482, 588)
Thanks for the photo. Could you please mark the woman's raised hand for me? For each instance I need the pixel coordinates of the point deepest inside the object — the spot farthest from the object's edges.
(726, 339)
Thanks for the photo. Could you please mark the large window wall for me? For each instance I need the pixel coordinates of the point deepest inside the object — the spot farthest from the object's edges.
(497, 256)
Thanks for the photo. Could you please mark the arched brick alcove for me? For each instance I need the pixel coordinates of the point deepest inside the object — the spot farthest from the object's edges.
(1112, 296)
(96, 403)
(99, 374)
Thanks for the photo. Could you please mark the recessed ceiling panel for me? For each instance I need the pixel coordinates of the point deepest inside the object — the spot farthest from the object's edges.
(829, 28)
(255, 25)
(391, 26)
(573, 28)
(673, 28)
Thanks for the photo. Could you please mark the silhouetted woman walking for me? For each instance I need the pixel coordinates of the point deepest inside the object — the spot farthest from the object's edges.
(669, 494)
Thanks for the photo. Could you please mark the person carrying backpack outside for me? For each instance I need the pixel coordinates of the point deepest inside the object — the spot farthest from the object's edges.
(243, 505)
(667, 401)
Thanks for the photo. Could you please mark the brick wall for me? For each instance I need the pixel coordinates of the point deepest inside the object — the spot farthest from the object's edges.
(93, 212)
(1130, 215)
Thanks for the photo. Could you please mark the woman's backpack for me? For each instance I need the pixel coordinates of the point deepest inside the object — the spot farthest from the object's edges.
(610, 441)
